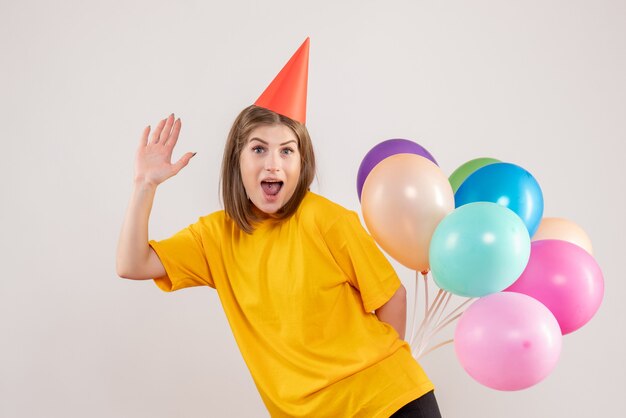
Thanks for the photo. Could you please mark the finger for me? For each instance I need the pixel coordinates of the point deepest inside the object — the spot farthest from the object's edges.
(173, 138)
(157, 132)
(167, 129)
(183, 161)
(143, 141)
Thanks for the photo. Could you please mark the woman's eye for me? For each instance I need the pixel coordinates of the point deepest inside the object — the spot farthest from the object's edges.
(258, 149)
(288, 151)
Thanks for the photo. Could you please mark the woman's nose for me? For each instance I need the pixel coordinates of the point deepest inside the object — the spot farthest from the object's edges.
(272, 162)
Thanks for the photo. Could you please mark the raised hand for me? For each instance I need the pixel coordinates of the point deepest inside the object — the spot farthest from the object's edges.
(153, 159)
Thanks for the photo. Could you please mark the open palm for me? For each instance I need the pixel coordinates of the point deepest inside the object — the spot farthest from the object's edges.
(153, 159)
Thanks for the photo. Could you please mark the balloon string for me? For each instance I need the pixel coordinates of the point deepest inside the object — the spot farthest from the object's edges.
(428, 308)
(434, 320)
(424, 322)
(456, 309)
(436, 331)
(414, 335)
(440, 325)
(434, 348)
(425, 293)
(448, 296)
(427, 317)
(424, 336)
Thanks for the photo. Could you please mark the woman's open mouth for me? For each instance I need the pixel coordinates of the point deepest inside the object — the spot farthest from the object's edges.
(271, 188)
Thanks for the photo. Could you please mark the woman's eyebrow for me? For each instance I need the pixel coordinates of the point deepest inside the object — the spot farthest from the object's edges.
(267, 143)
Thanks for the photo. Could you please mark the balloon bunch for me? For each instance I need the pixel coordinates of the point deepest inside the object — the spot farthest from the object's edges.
(473, 233)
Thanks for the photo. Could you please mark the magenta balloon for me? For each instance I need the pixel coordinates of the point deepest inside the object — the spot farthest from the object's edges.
(507, 341)
(387, 149)
(566, 279)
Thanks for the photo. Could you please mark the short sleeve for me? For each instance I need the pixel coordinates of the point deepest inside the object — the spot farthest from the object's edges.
(366, 267)
(184, 257)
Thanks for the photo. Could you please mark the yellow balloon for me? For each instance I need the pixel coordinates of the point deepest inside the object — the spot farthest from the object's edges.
(404, 198)
(565, 230)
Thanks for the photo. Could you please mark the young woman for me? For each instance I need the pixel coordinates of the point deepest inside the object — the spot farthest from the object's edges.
(316, 309)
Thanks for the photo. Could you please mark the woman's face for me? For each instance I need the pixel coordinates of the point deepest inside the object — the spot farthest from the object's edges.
(270, 166)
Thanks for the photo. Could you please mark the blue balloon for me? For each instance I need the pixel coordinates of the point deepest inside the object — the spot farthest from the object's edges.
(479, 249)
(508, 185)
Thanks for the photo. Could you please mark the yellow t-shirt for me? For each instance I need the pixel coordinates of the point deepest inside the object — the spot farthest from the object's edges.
(299, 297)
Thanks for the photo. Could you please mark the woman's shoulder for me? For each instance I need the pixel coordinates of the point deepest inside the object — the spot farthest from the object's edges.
(321, 210)
(218, 215)
(315, 202)
(214, 220)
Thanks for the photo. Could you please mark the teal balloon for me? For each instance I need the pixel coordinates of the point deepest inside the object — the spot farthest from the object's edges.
(478, 249)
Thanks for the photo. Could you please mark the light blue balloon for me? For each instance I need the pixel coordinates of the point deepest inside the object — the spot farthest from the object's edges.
(508, 185)
(478, 249)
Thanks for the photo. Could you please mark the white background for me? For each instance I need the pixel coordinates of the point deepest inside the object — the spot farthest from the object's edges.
(537, 83)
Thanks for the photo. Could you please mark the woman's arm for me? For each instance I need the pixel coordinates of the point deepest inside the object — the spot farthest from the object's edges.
(135, 259)
(394, 311)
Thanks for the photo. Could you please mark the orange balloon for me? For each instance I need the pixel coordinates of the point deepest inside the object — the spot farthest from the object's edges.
(404, 198)
(565, 230)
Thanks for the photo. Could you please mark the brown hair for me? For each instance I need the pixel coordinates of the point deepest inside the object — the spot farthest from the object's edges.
(236, 203)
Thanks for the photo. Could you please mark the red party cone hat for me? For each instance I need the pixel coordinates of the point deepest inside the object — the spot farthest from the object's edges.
(286, 94)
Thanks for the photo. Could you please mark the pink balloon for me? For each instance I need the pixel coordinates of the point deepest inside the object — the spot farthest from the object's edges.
(565, 278)
(508, 341)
